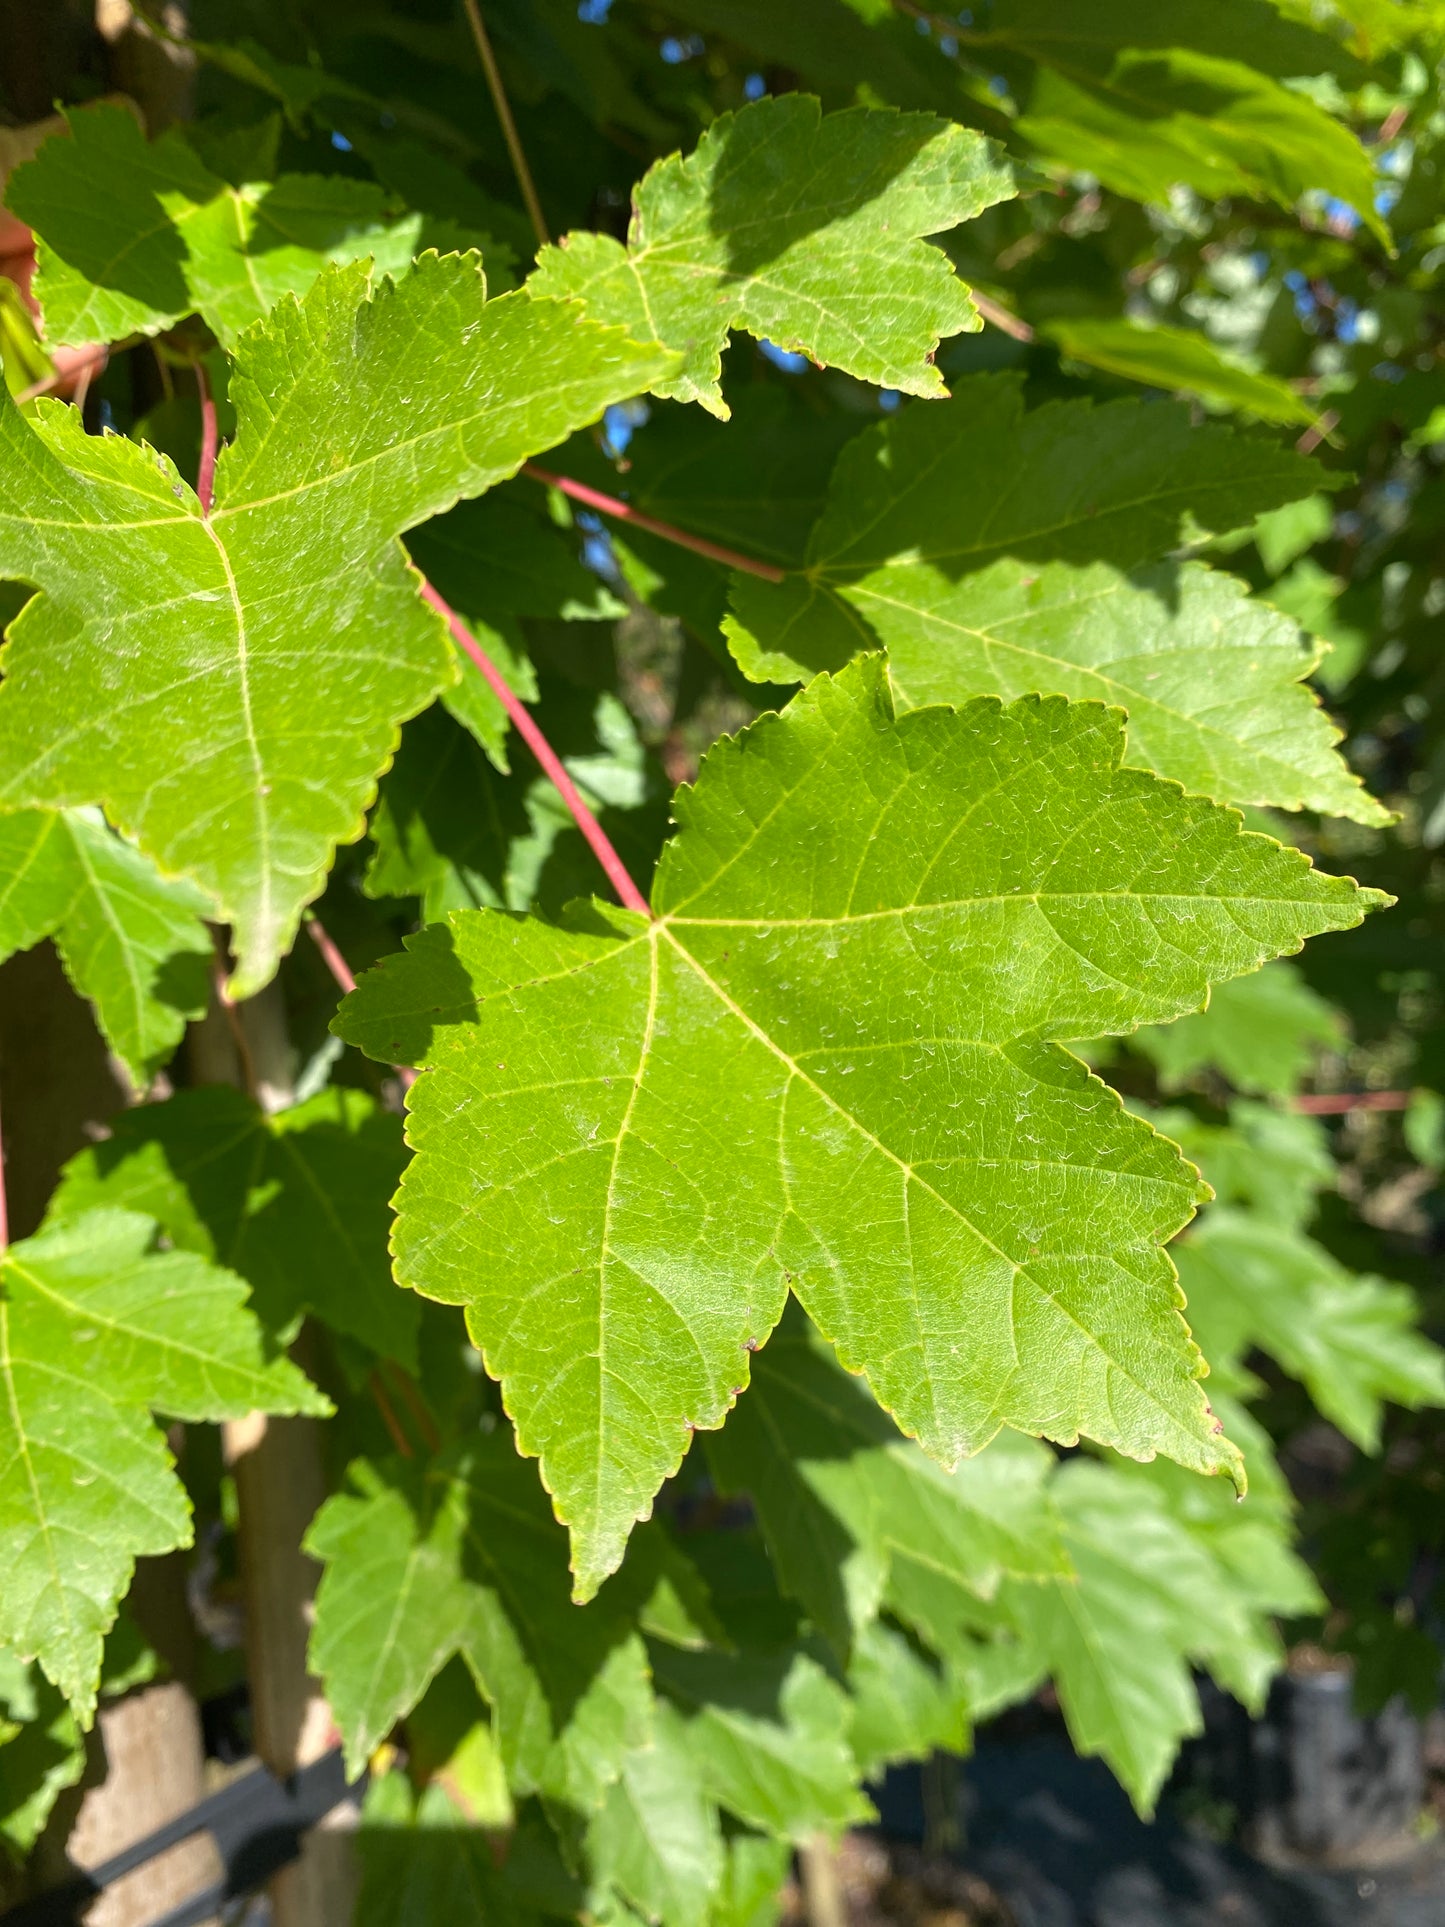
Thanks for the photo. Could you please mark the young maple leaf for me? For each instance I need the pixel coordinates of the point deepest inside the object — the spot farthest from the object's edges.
(230, 686)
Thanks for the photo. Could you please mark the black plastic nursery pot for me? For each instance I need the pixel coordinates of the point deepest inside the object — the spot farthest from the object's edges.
(1328, 1783)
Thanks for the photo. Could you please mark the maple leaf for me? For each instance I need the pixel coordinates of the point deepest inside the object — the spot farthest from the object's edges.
(831, 1062)
(770, 1733)
(801, 227)
(295, 1201)
(657, 1837)
(462, 1556)
(1351, 1339)
(1118, 1641)
(157, 672)
(1178, 359)
(841, 1497)
(995, 551)
(136, 234)
(131, 941)
(96, 1331)
(1263, 1033)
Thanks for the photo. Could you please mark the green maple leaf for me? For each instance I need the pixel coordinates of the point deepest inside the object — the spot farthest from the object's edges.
(295, 1201)
(997, 552)
(840, 1496)
(131, 941)
(657, 1837)
(423, 1857)
(905, 1706)
(462, 1556)
(42, 1753)
(1274, 1161)
(96, 1331)
(1156, 119)
(754, 1876)
(1119, 1641)
(1350, 1339)
(1146, 100)
(1252, 1545)
(830, 1063)
(1169, 1572)
(136, 234)
(769, 1731)
(165, 640)
(1178, 359)
(1263, 1033)
(806, 230)
(1086, 34)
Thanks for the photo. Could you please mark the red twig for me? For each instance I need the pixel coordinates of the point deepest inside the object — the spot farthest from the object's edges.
(1310, 440)
(335, 962)
(345, 982)
(206, 472)
(233, 1017)
(416, 1405)
(622, 511)
(1337, 1103)
(62, 375)
(388, 1417)
(627, 891)
(1001, 317)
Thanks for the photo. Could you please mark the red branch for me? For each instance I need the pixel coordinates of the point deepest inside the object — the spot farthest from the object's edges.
(1001, 317)
(335, 962)
(621, 511)
(627, 891)
(206, 472)
(388, 1417)
(1337, 1103)
(88, 364)
(345, 982)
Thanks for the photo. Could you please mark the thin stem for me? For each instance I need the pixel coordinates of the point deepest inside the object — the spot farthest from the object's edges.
(335, 962)
(416, 1405)
(81, 391)
(1310, 440)
(1337, 1104)
(4, 1207)
(388, 1417)
(509, 126)
(62, 375)
(345, 982)
(206, 472)
(822, 1882)
(627, 891)
(244, 1059)
(622, 511)
(1001, 317)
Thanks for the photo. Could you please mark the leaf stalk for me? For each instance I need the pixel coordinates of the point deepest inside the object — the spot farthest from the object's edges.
(206, 471)
(621, 511)
(509, 126)
(526, 727)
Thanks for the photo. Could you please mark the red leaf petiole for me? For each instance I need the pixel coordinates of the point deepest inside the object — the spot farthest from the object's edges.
(627, 891)
(621, 511)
